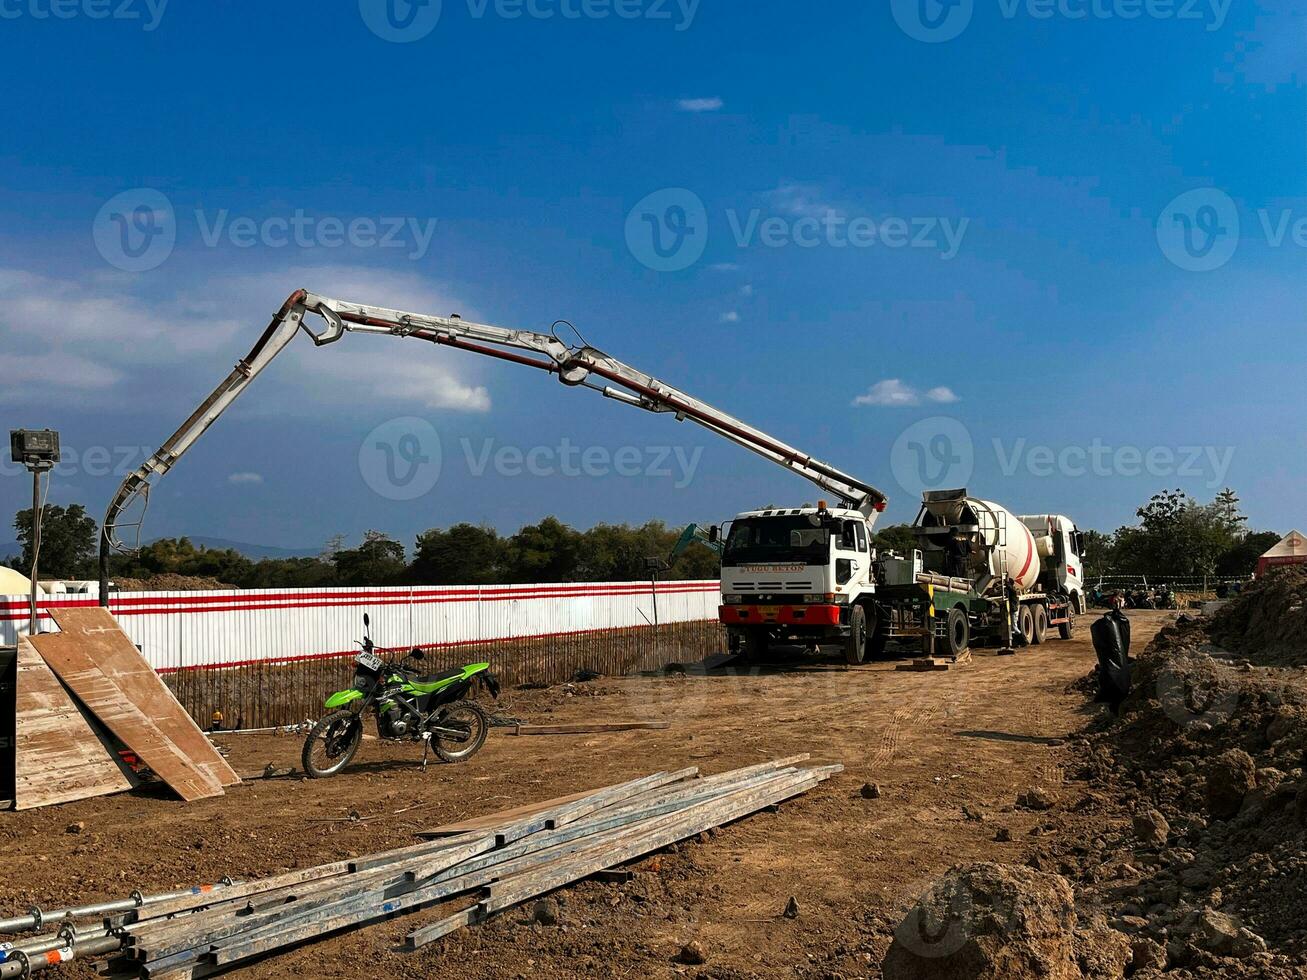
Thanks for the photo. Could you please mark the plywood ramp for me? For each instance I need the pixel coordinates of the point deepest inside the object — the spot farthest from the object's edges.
(97, 662)
(58, 756)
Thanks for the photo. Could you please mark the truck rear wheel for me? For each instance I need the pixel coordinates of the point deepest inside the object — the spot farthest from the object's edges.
(959, 632)
(1040, 613)
(1026, 625)
(855, 644)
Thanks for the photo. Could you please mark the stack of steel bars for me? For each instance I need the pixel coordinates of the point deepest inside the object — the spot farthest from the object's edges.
(200, 932)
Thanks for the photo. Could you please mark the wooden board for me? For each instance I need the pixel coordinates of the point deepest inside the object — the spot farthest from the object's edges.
(111, 680)
(58, 756)
(116, 655)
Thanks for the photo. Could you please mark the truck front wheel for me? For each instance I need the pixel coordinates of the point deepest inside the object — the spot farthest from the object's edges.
(756, 643)
(855, 644)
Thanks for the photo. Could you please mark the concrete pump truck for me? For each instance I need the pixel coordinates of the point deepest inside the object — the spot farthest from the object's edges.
(805, 574)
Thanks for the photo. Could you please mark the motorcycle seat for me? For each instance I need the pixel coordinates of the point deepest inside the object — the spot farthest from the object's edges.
(448, 675)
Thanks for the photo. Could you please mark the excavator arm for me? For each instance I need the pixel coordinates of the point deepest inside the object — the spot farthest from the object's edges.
(575, 366)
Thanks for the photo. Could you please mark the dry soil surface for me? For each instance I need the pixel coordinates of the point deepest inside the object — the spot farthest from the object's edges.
(949, 751)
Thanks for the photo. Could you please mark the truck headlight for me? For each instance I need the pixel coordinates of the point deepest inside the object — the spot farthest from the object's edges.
(732, 599)
(840, 599)
(814, 599)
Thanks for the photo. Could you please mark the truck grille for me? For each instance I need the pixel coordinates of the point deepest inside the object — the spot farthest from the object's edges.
(771, 587)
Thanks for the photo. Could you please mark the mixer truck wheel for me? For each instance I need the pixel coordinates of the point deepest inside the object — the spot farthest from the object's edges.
(1026, 622)
(855, 644)
(1067, 630)
(959, 632)
(1041, 625)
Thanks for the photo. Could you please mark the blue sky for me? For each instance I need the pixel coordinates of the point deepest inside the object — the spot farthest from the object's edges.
(1049, 248)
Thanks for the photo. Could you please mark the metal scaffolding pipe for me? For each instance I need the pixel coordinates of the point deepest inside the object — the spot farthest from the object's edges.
(36, 918)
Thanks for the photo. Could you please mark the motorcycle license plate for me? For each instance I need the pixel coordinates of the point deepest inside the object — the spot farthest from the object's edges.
(370, 661)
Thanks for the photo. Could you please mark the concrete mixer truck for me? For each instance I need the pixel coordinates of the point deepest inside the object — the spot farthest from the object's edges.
(980, 574)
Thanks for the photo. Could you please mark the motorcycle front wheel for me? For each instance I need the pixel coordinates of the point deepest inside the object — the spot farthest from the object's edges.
(470, 721)
(331, 744)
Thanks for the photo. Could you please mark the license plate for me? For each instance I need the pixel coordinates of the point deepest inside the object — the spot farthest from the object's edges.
(370, 661)
(769, 612)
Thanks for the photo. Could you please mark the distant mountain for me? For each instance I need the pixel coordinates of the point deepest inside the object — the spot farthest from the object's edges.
(248, 550)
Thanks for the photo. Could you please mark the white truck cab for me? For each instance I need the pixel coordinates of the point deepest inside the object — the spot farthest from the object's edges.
(802, 574)
(1061, 547)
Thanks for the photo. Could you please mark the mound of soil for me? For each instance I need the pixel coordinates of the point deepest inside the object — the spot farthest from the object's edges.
(987, 922)
(172, 583)
(1267, 622)
(1208, 755)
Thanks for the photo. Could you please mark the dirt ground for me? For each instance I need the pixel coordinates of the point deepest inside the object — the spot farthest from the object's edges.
(937, 745)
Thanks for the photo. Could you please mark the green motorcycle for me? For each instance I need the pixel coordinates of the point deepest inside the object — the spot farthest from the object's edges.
(409, 707)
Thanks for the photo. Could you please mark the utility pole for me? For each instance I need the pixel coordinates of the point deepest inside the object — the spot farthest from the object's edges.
(38, 451)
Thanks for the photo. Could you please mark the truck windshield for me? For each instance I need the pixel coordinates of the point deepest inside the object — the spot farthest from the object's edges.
(776, 539)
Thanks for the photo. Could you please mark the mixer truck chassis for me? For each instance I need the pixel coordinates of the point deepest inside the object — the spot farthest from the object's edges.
(948, 621)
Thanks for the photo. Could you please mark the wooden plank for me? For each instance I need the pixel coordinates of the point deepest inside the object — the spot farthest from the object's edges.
(98, 692)
(116, 655)
(58, 756)
(591, 729)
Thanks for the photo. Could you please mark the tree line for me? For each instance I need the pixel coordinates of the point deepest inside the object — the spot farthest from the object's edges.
(1176, 537)
(465, 554)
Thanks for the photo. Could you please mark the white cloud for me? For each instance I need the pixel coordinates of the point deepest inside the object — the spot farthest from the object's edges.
(746, 289)
(85, 341)
(38, 377)
(802, 201)
(942, 395)
(731, 317)
(893, 393)
(724, 267)
(700, 105)
(240, 478)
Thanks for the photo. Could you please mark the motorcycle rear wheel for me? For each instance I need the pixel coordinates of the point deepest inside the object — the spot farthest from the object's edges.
(465, 716)
(331, 744)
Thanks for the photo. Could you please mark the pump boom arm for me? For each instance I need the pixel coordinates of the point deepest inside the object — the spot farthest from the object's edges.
(576, 366)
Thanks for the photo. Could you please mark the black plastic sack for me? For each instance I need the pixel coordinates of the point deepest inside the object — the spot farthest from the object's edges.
(1111, 635)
